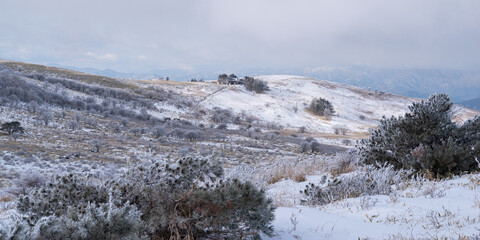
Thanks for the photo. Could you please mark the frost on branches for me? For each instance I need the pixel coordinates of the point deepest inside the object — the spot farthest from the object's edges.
(426, 140)
(188, 199)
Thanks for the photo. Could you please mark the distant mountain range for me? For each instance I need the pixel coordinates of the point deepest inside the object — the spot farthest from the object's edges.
(112, 73)
(473, 103)
(460, 85)
(463, 86)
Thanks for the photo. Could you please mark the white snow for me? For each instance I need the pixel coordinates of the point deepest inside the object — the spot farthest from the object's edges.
(289, 92)
(426, 210)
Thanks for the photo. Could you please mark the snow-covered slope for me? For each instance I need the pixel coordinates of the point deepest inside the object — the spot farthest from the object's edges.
(356, 109)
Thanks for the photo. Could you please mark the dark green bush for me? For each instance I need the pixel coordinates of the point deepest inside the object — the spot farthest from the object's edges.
(255, 85)
(321, 107)
(426, 140)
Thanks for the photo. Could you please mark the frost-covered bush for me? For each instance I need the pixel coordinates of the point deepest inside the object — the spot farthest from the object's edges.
(138, 131)
(57, 196)
(177, 132)
(372, 181)
(105, 221)
(26, 182)
(15, 87)
(159, 131)
(184, 200)
(426, 140)
(310, 145)
(321, 107)
(192, 135)
(344, 162)
(220, 115)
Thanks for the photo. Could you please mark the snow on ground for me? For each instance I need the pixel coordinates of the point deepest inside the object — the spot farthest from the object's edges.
(288, 93)
(426, 210)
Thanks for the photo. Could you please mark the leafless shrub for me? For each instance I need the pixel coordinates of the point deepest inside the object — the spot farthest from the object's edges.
(78, 117)
(274, 126)
(219, 136)
(221, 115)
(90, 122)
(137, 131)
(340, 130)
(97, 145)
(46, 117)
(26, 182)
(192, 135)
(73, 125)
(367, 202)
(433, 191)
(345, 162)
(371, 181)
(159, 131)
(184, 151)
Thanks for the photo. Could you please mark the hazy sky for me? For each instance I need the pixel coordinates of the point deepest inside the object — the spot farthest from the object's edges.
(136, 36)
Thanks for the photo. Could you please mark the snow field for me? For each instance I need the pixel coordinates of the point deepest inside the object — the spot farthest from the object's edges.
(424, 209)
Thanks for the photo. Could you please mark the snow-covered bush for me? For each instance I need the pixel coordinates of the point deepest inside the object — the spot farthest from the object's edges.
(184, 200)
(58, 196)
(159, 131)
(105, 221)
(220, 115)
(425, 140)
(192, 135)
(26, 182)
(372, 181)
(344, 162)
(310, 145)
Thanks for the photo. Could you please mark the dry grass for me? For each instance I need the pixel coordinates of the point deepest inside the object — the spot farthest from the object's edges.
(325, 84)
(288, 173)
(295, 170)
(476, 202)
(6, 198)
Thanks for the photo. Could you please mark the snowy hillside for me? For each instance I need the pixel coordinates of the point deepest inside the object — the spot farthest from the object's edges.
(356, 109)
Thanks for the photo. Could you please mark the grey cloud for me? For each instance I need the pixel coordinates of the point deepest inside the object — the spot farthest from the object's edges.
(211, 35)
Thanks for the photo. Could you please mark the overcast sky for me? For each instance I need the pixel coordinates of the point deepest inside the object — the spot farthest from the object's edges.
(138, 36)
